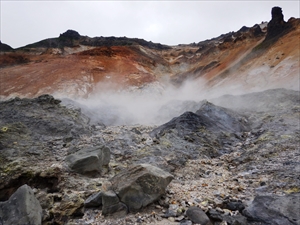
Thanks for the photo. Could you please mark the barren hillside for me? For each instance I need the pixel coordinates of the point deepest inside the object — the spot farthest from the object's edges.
(73, 65)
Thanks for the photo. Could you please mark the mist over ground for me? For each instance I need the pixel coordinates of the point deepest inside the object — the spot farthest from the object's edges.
(152, 104)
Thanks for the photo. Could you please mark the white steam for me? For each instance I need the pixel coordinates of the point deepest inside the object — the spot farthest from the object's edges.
(155, 103)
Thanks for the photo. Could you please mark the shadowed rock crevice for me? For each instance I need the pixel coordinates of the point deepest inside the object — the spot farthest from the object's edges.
(48, 181)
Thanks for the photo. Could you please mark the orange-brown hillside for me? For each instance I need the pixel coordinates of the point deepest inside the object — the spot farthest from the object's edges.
(73, 65)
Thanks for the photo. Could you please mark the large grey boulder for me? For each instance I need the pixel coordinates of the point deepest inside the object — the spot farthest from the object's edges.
(21, 208)
(89, 160)
(140, 185)
(275, 210)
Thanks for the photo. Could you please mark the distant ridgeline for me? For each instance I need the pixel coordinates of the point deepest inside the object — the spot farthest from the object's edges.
(72, 38)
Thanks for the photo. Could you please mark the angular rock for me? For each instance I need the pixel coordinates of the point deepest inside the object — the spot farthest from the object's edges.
(197, 215)
(275, 210)
(95, 200)
(89, 160)
(109, 198)
(112, 205)
(140, 185)
(21, 208)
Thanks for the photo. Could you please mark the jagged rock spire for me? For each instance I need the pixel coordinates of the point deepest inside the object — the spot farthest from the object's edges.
(276, 25)
(277, 15)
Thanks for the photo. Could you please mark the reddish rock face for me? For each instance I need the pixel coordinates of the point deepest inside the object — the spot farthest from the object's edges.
(77, 69)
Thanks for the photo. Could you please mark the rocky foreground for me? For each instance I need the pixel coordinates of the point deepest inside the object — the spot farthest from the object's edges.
(229, 160)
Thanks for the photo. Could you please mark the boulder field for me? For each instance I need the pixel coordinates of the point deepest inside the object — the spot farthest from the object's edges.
(230, 160)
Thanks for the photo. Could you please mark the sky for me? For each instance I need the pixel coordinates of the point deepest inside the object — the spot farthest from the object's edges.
(165, 22)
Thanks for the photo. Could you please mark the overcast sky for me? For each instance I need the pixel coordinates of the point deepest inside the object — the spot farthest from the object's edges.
(166, 22)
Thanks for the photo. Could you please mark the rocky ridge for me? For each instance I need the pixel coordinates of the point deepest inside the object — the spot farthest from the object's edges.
(253, 58)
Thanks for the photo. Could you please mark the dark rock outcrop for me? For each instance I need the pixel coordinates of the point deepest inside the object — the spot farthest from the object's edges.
(70, 34)
(202, 133)
(276, 28)
(42, 116)
(209, 116)
(89, 160)
(69, 39)
(277, 24)
(275, 210)
(21, 208)
(72, 38)
(5, 47)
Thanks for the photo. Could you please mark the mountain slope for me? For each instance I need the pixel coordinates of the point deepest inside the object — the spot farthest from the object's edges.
(261, 57)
